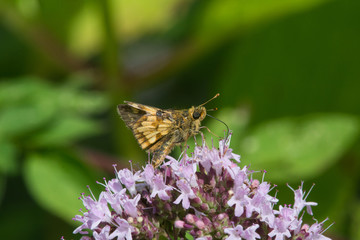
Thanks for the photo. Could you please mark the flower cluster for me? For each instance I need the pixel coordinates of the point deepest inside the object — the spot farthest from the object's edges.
(205, 195)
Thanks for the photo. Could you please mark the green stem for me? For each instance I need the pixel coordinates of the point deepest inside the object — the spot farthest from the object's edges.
(116, 88)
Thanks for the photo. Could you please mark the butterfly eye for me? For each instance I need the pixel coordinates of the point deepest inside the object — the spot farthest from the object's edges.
(196, 115)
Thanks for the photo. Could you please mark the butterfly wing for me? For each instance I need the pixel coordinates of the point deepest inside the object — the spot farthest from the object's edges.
(162, 148)
(152, 127)
(132, 112)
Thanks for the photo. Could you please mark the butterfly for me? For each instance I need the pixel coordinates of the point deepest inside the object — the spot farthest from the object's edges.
(157, 130)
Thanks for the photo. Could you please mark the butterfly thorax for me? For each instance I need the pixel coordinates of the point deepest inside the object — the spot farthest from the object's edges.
(188, 122)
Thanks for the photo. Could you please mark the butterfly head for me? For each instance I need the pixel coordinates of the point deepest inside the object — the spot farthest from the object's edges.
(197, 113)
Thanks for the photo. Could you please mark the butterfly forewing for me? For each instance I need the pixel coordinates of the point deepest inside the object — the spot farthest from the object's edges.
(148, 126)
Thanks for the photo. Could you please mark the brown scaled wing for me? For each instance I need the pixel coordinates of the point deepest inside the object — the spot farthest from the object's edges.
(152, 127)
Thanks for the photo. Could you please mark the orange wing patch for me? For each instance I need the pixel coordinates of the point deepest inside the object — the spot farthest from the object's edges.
(149, 130)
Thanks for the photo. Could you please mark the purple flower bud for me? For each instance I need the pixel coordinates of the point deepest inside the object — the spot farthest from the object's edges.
(206, 221)
(200, 224)
(204, 207)
(190, 218)
(179, 224)
(197, 200)
(221, 216)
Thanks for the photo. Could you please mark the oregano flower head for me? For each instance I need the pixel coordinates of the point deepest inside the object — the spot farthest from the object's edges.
(203, 196)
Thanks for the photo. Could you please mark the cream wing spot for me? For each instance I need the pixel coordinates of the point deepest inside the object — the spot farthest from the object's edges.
(151, 134)
(152, 140)
(167, 121)
(145, 129)
(164, 132)
(164, 126)
(146, 123)
(151, 119)
(147, 133)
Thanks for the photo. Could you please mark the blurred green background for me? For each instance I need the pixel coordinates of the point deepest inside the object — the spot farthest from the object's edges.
(288, 73)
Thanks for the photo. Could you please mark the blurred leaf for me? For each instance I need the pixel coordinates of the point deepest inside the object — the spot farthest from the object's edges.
(28, 104)
(73, 99)
(55, 181)
(189, 236)
(341, 186)
(25, 105)
(229, 17)
(237, 120)
(291, 149)
(305, 63)
(85, 31)
(65, 130)
(355, 230)
(141, 17)
(18, 91)
(20, 120)
(8, 161)
(58, 16)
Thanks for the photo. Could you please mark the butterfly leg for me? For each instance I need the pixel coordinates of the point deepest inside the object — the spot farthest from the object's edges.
(210, 131)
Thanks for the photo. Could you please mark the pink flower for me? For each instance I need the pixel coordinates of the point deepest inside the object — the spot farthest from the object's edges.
(160, 188)
(186, 193)
(218, 200)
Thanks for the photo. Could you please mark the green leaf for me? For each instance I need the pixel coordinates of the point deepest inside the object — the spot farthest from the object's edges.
(237, 120)
(15, 121)
(30, 104)
(56, 181)
(229, 17)
(71, 98)
(22, 90)
(294, 149)
(188, 236)
(8, 163)
(65, 130)
(25, 105)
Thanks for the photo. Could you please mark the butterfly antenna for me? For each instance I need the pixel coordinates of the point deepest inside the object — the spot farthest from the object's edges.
(218, 94)
(227, 131)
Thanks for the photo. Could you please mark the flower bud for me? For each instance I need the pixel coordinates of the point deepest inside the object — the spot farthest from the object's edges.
(179, 224)
(190, 218)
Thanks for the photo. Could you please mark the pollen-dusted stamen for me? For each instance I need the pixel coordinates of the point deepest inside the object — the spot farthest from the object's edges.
(327, 227)
(309, 189)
